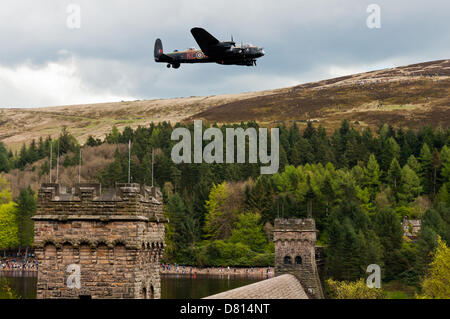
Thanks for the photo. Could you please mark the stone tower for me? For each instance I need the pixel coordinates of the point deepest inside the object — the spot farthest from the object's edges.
(295, 253)
(111, 241)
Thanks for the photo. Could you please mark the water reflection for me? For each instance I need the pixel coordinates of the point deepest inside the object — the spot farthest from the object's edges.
(200, 286)
(24, 284)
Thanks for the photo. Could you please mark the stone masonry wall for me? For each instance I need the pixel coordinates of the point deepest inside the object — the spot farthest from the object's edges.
(295, 251)
(115, 237)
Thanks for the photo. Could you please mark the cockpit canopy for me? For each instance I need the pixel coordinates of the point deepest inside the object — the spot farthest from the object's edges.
(247, 45)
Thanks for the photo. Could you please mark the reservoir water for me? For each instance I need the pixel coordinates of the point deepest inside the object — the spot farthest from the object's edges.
(24, 284)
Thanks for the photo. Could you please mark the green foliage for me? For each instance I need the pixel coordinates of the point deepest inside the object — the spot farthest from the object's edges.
(352, 245)
(26, 207)
(352, 290)
(220, 217)
(348, 180)
(16, 227)
(409, 187)
(65, 143)
(260, 198)
(426, 171)
(263, 260)
(117, 172)
(5, 164)
(435, 223)
(8, 226)
(6, 292)
(443, 197)
(388, 228)
(221, 253)
(114, 136)
(399, 290)
(414, 164)
(436, 284)
(394, 175)
(249, 231)
(182, 231)
(372, 176)
(91, 141)
(5, 191)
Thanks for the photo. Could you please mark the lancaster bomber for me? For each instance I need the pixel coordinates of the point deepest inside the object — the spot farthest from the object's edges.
(212, 50)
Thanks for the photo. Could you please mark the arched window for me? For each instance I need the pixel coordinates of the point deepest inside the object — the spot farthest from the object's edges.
(287, 260)
(102, 254)
(67, 253)
(298, 260)
(119, 251)
(85, 254)
(50, 255)
(152, 292)
(144, 293)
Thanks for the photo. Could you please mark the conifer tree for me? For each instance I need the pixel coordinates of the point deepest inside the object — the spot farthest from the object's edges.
(394, 176)
(372, 176)
(436, 165)
(426, 172)
(445, 170)
(443, 197)
(26, 207)
(409, 185)
(388, 228)
(414, 164)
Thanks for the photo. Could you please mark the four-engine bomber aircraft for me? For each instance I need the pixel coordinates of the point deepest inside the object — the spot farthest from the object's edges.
(212, 50)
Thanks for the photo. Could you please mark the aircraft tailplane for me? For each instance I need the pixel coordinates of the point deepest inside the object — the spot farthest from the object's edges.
(158, 49)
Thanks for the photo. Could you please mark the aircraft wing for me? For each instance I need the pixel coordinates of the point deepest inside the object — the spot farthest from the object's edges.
(205, 40)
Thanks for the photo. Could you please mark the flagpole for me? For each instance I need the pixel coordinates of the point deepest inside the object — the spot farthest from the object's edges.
(153, 156)
(79, 169)
(57, 165)
(50, 172)
(129, 159)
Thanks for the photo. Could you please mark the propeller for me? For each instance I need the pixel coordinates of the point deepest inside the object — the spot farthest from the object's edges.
(232, 41)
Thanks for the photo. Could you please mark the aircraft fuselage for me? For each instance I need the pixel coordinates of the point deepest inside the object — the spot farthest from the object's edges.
(212, 51)
(188, 56)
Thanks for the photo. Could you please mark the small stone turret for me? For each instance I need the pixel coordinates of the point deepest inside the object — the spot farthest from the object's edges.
(295, 253)
(114, 238)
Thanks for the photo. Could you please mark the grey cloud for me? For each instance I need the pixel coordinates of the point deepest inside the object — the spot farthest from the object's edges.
(113, 50)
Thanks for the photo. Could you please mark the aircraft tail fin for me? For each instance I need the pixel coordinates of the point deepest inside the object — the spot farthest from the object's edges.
(158, 49)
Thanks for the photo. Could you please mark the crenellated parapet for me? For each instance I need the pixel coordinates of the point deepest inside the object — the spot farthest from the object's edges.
(295, 252)
(83, 200)
(297, 229)
(295, 224)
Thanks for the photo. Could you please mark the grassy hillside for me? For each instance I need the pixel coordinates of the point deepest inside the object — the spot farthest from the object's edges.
(412, 96)
(95, 159)
(18, 126)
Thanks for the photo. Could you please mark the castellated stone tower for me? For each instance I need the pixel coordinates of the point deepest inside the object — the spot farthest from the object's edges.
(113, 239)
(295, 253)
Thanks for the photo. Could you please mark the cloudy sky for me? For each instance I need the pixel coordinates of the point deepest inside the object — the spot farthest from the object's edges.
(43, 62)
